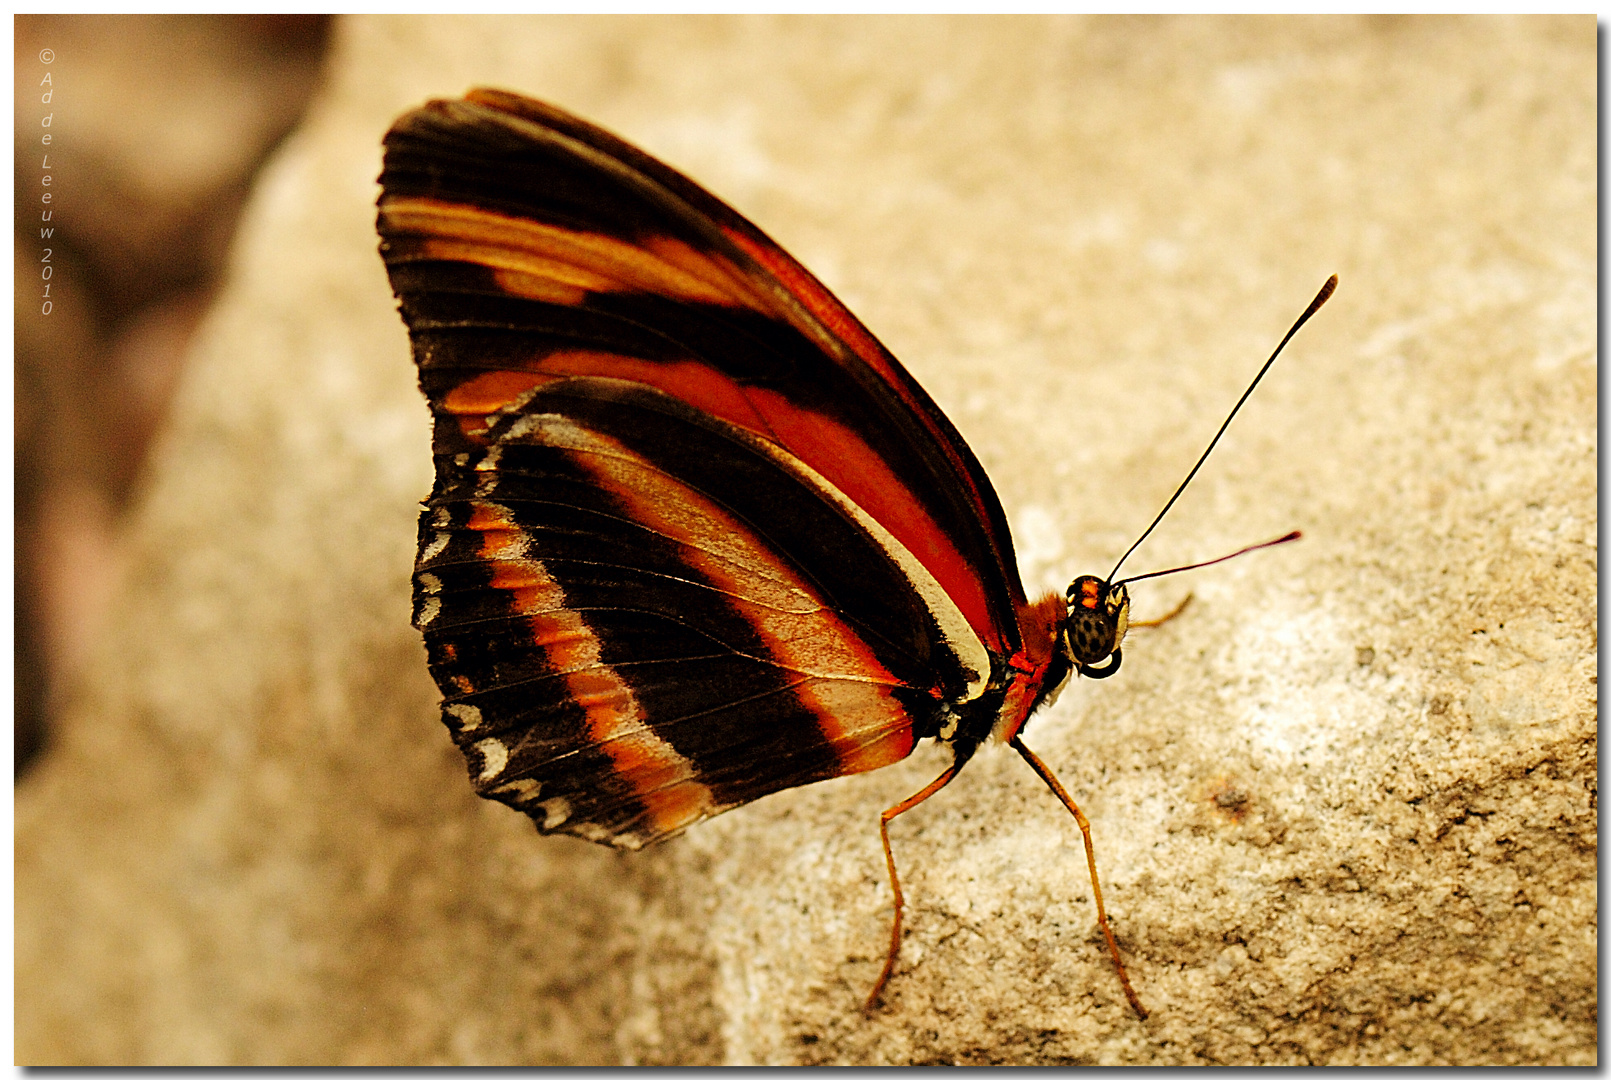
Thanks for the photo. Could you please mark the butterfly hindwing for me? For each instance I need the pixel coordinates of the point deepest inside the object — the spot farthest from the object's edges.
(630, 634)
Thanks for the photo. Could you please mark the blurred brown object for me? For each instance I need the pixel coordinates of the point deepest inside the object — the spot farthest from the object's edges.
(158, 124)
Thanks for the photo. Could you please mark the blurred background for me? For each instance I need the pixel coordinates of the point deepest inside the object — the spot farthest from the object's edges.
(159, 124)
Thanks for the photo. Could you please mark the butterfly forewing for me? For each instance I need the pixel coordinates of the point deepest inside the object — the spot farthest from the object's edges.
(526, 244)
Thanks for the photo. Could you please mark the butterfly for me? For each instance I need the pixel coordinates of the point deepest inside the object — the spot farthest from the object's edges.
(695, 535)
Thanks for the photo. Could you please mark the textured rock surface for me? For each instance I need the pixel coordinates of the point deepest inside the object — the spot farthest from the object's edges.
(1345, 805)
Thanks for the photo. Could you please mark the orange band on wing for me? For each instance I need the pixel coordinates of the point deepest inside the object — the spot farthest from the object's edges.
(661, 779)
(556, 264)
(841, 681)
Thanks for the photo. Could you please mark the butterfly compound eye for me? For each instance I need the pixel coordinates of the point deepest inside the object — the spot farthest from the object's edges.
(1093, 630)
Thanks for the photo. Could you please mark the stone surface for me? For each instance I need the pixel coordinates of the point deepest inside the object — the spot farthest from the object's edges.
(1344, 805)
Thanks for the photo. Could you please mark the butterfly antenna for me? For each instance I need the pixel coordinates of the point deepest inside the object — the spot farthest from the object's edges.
(1314, 305)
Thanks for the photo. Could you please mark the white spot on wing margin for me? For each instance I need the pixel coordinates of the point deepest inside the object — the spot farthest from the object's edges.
(494, 756)
(468, 716)
(428, 612)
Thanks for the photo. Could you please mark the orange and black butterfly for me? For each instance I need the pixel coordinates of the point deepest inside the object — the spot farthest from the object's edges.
(695, 535)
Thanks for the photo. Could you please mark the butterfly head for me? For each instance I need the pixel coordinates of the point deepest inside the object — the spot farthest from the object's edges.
(1094, 628)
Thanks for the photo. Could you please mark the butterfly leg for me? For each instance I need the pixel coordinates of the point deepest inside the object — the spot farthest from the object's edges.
(894, 879)
(1160, 621)
(1090, 857)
